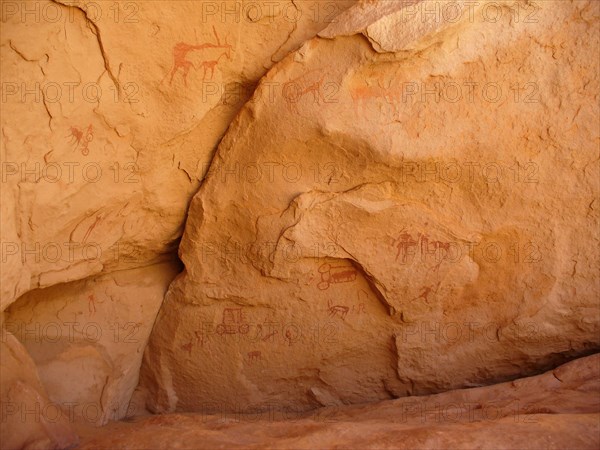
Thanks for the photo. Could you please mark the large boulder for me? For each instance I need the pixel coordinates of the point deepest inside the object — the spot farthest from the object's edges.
(406, 217)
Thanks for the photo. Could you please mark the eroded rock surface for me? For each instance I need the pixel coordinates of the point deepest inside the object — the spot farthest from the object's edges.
(111, 113)
(559, 409)
(87, 338)
(111, 118)
(28, 418)
(403, 219)
(407, 204)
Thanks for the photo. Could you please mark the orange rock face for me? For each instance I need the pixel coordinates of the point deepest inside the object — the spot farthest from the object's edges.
(250, 218)
(404, 218)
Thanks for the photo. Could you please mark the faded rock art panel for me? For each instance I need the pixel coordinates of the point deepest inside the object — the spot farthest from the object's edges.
(123, 103)
(407, 187)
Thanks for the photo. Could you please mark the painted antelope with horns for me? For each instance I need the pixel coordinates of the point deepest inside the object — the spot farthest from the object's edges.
(210, 55)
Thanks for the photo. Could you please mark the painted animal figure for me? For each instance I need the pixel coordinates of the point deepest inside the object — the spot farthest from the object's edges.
(343, 277)
(337, 309)
(182, 50)
(310, 82)
(210, 65)
(361, 95)
(335, 274)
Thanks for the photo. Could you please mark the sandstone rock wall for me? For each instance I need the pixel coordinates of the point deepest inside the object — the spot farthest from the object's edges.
(408, 217)
(111, 113)
(371, 200)
(120, 107)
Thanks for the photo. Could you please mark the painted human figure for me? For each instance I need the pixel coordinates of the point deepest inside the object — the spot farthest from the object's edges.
(427, 290)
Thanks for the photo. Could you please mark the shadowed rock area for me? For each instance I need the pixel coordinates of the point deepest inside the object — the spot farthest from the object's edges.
(559, 409)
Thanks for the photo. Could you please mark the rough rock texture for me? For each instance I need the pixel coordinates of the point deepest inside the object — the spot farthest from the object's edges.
(120, 107)
(390, 199)
(392, 214)
(111, 113)
(92, 332)
(28, 418)
(559, 409)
